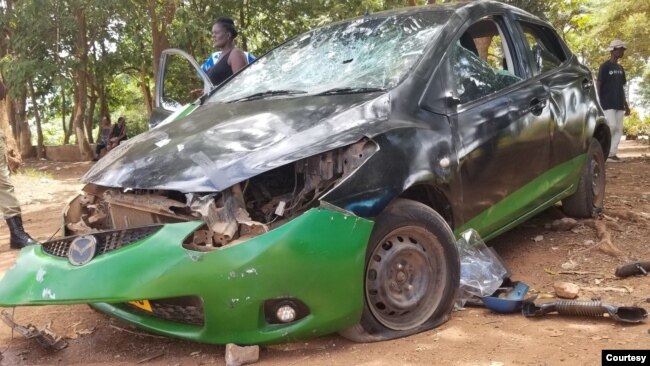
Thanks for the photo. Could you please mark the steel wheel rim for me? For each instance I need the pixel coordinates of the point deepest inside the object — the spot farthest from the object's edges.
(402, 278)
(597, 182)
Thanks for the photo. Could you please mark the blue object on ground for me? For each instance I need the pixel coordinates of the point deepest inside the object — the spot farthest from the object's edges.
(507, 300)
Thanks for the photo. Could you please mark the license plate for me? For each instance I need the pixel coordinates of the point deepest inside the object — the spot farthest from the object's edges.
(142, 304)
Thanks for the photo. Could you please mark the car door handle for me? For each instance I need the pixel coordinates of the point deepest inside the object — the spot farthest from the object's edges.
(587, 84)
(537, 105)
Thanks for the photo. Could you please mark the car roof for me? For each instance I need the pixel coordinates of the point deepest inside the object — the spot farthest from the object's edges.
(457, 8)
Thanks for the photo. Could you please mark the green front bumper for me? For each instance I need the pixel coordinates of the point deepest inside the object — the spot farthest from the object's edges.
(317, 258)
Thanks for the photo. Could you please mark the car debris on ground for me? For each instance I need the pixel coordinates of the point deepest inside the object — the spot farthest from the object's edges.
(45, 337)
(626, 314)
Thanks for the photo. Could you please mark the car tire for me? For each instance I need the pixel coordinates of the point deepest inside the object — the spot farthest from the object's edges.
(589, 198)
(411, 274)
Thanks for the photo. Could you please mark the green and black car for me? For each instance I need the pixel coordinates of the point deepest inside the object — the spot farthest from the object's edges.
(321, 188)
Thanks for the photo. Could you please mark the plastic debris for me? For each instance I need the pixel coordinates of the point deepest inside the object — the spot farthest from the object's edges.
(481, 270)
(507, 300)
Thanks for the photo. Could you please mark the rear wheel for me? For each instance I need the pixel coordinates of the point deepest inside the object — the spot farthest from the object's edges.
(411, 275)
(589, 198)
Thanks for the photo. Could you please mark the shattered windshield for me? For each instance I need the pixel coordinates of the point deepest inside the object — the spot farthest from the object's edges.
(361, 55)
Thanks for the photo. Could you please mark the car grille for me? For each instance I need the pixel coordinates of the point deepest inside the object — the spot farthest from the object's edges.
(106, 240)
(186, 310)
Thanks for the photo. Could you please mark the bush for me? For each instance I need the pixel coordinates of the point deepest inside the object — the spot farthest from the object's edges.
(634, 126)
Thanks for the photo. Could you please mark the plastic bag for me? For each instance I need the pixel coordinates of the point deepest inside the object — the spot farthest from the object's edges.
(481, 271)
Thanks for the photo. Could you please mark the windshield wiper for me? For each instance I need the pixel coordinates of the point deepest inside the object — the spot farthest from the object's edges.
(268, 93)
(350, 91)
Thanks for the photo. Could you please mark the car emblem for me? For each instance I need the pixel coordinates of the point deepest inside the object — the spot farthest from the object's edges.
(82, 250)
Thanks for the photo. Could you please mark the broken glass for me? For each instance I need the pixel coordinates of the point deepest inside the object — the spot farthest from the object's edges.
(373, 53)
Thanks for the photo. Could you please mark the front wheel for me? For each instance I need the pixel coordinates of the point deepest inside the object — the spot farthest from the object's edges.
(411, 275)
(589, 198)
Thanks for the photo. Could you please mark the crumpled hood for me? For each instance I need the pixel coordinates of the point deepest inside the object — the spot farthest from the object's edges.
(220, 145)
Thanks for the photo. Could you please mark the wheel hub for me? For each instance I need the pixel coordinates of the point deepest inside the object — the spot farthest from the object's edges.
(400, 279)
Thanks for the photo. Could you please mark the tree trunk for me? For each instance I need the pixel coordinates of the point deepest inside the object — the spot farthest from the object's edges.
(243, 24)
(159, 22)
(412, 3)
(80, 85)
(68, 137)
(40, 151)
(13, 154)
(89, 118)
(24, 133)
(146, 91)
(103, 102)
(6, 111)
(66, 130)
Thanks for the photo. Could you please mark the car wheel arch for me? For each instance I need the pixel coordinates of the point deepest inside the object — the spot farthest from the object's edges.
(433, 197)
(603, 136)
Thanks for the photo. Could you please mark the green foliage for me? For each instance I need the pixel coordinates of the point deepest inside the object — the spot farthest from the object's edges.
(634, 126)
(40, 44)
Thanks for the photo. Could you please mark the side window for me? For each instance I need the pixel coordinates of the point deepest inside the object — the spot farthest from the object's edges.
(482, 62)
(544, 46)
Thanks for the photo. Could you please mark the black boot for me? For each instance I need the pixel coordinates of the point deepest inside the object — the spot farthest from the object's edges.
(19, 238)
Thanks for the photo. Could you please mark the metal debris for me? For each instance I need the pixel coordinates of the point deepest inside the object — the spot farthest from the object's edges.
(627, 314)
(45, 337)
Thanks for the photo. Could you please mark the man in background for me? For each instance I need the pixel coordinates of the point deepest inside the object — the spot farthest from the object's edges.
(611, 80)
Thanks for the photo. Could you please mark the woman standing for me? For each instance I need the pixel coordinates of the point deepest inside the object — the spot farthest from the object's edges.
(232, 58)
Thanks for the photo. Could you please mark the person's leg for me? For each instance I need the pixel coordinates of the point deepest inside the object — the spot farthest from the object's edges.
(616, 130)
(610, 116)
(8, 202)
(98, 150)
(10, 207)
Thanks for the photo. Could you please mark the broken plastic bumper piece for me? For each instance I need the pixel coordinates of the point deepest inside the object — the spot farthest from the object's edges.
(313, 264)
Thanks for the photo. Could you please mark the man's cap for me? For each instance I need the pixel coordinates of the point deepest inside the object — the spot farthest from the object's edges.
(617, 43)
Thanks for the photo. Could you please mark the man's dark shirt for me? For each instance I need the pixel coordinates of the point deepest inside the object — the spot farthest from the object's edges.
(612, 78)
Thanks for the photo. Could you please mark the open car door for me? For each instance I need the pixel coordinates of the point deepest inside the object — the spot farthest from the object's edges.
(178, 75)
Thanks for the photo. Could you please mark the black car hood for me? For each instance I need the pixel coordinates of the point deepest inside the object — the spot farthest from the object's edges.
(220, 145)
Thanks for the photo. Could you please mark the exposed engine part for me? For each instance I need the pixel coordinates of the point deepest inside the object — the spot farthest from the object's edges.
(627, 314)
(247, 209)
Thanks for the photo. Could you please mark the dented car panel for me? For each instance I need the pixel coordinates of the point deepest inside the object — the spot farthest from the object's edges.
(199, 155)
(326, 248)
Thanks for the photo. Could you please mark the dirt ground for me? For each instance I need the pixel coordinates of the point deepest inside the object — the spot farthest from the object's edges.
(473, 336)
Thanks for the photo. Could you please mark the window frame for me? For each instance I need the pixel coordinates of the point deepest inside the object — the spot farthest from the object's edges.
(547, 31)
(503, 22)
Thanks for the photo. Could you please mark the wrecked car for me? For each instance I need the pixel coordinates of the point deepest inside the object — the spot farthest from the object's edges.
(321, 188)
